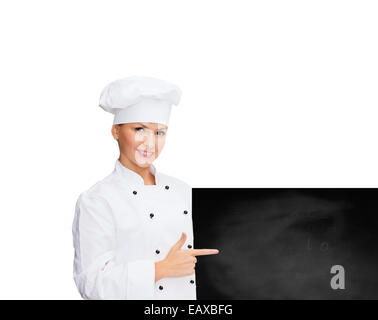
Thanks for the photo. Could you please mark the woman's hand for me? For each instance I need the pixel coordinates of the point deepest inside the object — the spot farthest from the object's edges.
(179, 262)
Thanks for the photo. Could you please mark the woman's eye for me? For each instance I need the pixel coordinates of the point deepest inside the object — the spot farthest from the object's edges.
(138, 129)
(160, 133)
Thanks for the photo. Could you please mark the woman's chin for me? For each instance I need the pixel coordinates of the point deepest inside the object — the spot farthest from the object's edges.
(144, 162)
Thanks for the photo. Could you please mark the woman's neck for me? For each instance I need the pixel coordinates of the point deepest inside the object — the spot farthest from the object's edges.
(147, 176)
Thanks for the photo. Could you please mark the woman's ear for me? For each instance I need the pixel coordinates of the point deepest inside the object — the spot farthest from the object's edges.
(115, 131)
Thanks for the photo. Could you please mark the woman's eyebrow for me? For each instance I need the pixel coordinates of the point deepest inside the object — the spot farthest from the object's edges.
(142, 125)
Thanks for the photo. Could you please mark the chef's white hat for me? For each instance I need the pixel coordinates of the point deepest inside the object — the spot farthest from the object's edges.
(140, 99)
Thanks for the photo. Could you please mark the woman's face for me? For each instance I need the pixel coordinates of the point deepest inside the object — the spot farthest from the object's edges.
(140, 142)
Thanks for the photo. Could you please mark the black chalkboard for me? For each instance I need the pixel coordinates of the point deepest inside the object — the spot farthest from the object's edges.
(282, 243)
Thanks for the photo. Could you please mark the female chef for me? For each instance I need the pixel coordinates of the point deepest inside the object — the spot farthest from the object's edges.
(132, 231)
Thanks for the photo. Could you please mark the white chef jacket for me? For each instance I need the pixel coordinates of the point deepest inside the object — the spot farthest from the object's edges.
(122, 227)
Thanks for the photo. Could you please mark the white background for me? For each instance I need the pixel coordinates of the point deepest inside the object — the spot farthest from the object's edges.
(275, 93)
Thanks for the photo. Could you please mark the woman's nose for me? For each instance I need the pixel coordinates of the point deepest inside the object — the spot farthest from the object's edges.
(149, 141)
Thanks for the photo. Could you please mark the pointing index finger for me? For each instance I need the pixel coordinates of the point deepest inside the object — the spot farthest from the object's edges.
(202, 252)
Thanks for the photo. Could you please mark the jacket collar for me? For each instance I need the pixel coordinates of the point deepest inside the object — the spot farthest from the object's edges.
(131, 177)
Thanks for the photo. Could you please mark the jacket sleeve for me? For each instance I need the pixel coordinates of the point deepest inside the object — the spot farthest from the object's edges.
(97, 273)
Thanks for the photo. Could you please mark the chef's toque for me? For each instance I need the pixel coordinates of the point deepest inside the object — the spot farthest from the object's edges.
(140, 99)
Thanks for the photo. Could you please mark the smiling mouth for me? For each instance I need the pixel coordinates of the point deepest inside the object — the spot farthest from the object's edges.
(145, 153)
